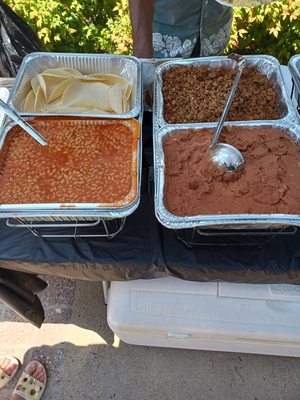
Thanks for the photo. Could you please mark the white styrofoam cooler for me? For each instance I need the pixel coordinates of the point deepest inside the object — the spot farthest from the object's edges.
(170, 312)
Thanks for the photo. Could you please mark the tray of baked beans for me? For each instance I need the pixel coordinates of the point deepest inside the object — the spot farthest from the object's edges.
(90, 85)
(195, 91)
(89, 167)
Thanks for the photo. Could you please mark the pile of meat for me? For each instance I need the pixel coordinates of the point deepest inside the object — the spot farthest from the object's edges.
(198, 94)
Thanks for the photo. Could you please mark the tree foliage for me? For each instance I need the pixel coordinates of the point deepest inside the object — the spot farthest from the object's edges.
(273, 29)
(69, 25)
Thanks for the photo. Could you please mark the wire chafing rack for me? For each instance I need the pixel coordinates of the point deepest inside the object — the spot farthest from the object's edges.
(231, 237)
(97, 228)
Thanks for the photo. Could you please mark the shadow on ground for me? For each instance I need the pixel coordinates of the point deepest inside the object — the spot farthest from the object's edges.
(84, 359)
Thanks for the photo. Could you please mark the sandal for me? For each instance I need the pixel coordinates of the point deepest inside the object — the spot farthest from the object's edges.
(4, 377)
(28, 387)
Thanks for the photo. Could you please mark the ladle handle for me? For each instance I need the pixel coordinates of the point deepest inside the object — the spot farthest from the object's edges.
(215, 138)
(23, 124)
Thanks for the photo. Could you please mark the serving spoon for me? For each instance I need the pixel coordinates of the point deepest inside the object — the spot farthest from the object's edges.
(225, 155)
(22, 123)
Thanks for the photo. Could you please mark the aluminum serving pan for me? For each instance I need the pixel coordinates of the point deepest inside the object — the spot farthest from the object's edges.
(267, 65)
(148, 75)
(228, 221)
(294, 67)
(33, 64)
(79, 211)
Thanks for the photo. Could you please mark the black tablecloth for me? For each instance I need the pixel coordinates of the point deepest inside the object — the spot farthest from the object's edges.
(145, 249)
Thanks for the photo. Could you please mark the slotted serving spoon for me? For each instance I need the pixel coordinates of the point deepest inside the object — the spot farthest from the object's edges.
(225, 155)
(22, 123)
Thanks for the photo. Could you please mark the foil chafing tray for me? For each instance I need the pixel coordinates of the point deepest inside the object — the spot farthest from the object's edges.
(228, 221)
(268, 65)
(294, 67)
(127, 66)
(53, 212)
(148, 75)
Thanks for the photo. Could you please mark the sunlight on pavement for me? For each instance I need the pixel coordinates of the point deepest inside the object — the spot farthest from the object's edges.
(116, 343)
(25, 334)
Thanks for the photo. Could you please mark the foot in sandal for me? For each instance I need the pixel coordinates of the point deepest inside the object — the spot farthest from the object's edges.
(32, 382)
(8, 368)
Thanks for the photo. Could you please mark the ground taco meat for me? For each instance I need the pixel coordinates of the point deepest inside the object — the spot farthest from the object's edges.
(268, 183)
(198, 94)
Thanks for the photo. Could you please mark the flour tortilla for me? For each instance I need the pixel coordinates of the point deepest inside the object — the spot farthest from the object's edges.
(66, 90)
(116, 99)
(35, 84)
(59, 90)
(28, 104)
(39, 101)
(110, 79)
(87, 94)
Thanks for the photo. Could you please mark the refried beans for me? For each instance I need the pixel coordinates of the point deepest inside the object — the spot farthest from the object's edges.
(268, 183)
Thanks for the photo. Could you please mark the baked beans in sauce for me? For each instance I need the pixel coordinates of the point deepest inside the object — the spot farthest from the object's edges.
(82, 163)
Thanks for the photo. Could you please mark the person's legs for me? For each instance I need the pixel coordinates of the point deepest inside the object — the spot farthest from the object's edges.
(34, 370)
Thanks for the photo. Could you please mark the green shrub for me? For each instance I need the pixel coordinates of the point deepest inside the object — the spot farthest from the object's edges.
(67, 26)
(116, 37)
(273, 29)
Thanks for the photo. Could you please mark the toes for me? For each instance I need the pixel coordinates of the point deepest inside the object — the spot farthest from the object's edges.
(8, 365)
(31, 368)
(41, 376)
(5, 363)
(37, 372)
(10, 369)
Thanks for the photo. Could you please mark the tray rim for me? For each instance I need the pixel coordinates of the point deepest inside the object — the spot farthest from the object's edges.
(294, 71)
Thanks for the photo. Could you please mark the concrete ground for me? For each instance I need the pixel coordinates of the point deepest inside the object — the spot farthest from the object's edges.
(85, 361)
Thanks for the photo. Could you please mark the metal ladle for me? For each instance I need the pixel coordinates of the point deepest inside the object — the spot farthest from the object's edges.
(223, 154)
(22, 123)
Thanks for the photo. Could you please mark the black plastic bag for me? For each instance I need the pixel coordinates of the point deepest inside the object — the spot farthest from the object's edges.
(19, 291)
(17, 39)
